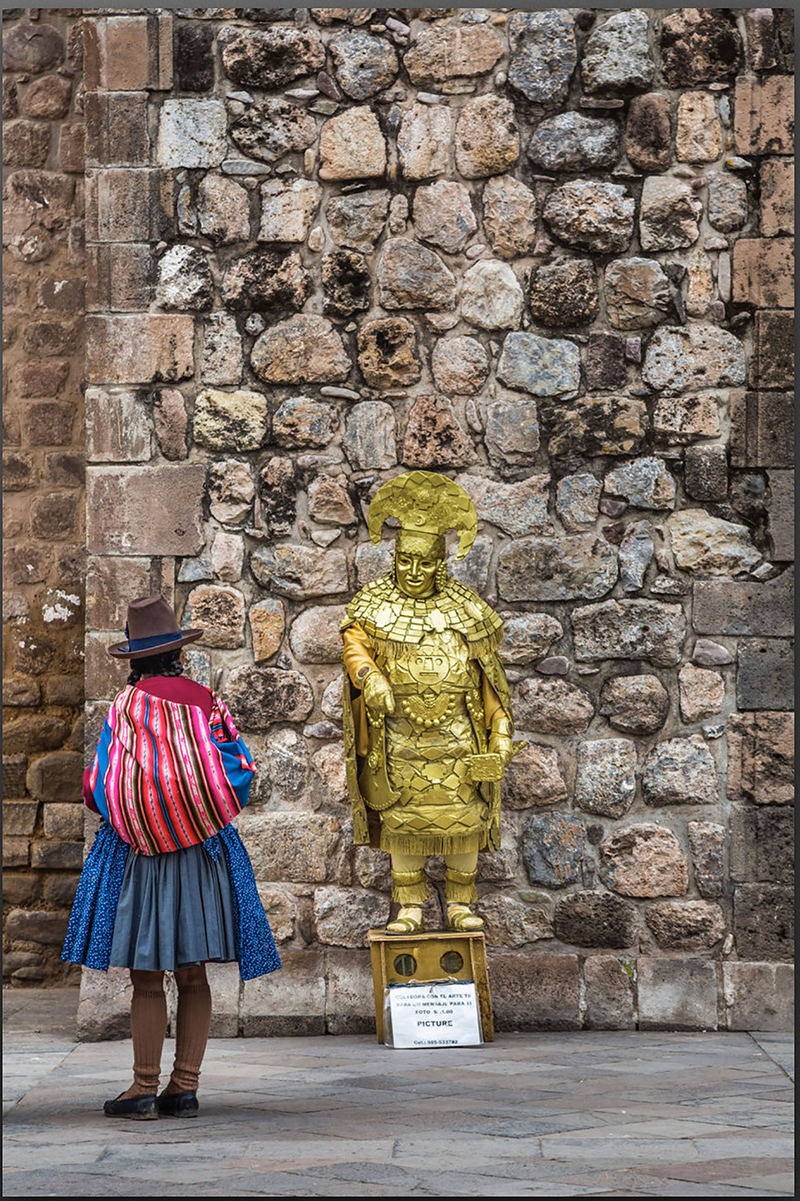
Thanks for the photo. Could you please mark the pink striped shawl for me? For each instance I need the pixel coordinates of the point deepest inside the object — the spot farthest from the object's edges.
(163, 772)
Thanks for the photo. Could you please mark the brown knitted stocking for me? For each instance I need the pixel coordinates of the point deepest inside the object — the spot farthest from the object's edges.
(192, 1027)
(148, 1027)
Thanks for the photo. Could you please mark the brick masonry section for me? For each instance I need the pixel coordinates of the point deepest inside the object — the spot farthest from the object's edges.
(548, 254)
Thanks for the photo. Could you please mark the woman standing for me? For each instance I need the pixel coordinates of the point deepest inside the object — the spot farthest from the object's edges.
(167, 884)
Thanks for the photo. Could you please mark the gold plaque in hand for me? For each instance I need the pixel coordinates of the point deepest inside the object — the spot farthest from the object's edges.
(485, 767)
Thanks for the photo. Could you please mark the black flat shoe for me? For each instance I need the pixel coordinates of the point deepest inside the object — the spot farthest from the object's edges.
(178, 1105)
(143, 1107)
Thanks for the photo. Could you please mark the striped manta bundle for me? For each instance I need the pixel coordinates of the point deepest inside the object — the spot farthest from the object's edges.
(164, 777)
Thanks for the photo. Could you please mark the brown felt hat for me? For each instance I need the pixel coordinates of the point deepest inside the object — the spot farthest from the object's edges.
(151, 629)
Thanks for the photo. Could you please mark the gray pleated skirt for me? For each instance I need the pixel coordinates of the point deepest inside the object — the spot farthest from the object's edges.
(175, 910)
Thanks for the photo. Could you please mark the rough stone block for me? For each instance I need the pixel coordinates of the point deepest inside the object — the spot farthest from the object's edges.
(16, 852)
(57, 855)
(763, 921)
(745, 606)
(191, 133)
(763, 272)
(772, 365)
(139, 348)
(762, 429)
(56, 777)
(36, 925)
(116, 128)
(291, 847)
(764, 115)
(765, 676)
(759, 996)
(14, 770)
(286, 1003)
(226, 985)
(64, 820)
(104, 1006)
(349, 1003)
(19, 818)
(535, 992)
(609, 993)
(676, 994)
(72, 146)
(49, 423)
(149, 510)
(120, 277)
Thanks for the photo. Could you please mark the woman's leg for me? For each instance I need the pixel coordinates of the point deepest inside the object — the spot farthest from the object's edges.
(192, 1027)
(148, 1027)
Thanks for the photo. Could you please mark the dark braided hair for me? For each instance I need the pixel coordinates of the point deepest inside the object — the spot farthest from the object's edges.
(168, 663)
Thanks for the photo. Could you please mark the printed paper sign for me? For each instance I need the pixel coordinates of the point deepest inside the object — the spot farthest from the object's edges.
(438, 1014)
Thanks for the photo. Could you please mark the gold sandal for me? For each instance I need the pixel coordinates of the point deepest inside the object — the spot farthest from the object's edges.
(462, 919)
(404, 923)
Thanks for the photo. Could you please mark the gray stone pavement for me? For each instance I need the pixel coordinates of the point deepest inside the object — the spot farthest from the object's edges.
(609, 1113)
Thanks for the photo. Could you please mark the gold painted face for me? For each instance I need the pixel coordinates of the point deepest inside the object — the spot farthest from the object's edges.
(415, 574)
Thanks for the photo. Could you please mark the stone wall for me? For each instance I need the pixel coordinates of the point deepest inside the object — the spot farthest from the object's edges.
(548, 254)
(43, 485)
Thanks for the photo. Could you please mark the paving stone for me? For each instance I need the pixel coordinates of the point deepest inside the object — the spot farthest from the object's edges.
(595, 919)
(553, 847)
(777, 197)
(191, 133)
(528, 636)
(676, 994)
(543, 55)
(643, 860)
(266, 281)
(698, 134)
(591, 215)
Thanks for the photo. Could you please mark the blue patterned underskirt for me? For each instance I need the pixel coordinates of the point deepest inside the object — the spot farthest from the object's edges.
(91, 924)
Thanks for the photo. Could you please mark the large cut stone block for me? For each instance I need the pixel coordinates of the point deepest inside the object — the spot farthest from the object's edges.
(145, 510)
(759, 996)
(289, 1002)
(635, 629)
(535, 992)
(763, 272)
(139, 348)
(764, 122)
(677, 994)
(761, 758)
(290, 846)
(765, 679)
(349, 1003)
(104, 1006)
(763, 921)
(745, 606)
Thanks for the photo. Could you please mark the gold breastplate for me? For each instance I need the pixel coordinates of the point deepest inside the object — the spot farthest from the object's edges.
(433, 679)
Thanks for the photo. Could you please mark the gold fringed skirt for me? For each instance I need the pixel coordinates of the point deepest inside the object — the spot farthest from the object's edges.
(440, 811)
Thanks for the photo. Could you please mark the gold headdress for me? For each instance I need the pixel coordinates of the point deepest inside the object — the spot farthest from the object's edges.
(426, 504)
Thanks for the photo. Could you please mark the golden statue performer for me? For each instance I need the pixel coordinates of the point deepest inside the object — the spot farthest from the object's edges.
(427, 716)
